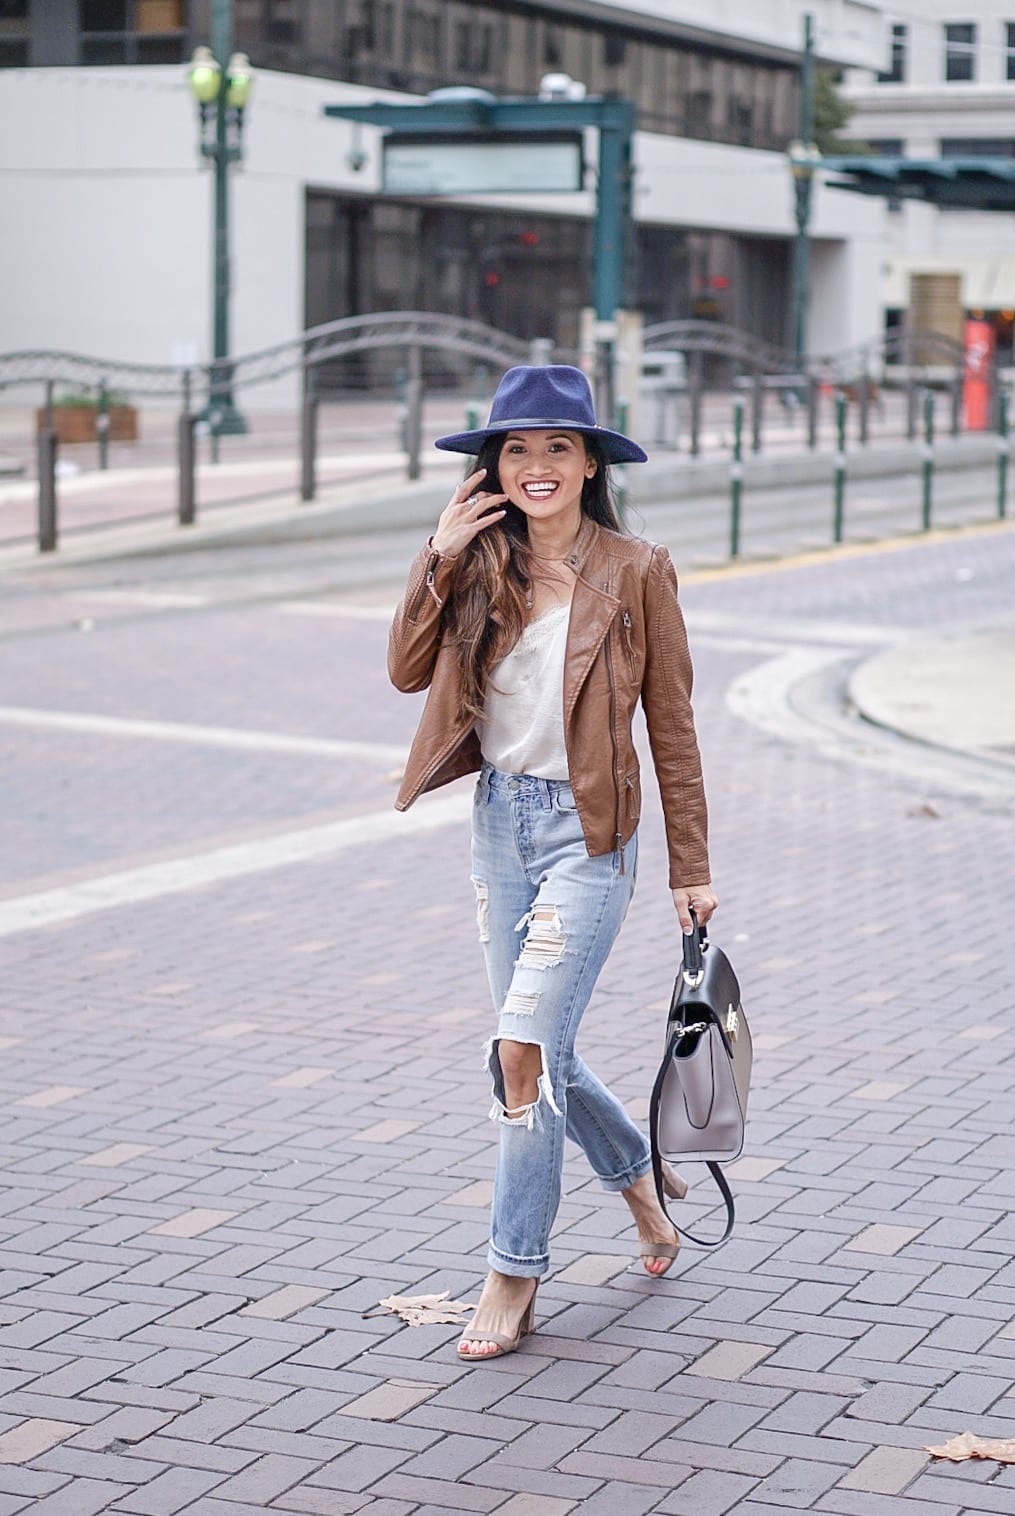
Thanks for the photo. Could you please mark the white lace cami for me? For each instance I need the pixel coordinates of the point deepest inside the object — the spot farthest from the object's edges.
(523, 729)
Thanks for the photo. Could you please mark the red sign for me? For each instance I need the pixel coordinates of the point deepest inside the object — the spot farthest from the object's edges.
(980, 344)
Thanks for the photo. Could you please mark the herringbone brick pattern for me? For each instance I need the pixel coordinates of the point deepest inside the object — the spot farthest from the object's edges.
(237, 1116)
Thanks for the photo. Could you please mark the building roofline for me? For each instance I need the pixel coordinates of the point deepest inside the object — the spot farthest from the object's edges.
(649, 24)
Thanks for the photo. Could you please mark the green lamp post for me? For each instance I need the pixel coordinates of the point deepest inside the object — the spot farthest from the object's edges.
(222, 95)
(804, 162)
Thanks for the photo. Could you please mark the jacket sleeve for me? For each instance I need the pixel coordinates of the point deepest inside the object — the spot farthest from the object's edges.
(666, 696)
(415, 632)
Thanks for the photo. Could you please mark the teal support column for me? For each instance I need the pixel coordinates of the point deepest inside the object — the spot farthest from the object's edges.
(610, 252)
(613, 210)
(483, 117)
(803, 170)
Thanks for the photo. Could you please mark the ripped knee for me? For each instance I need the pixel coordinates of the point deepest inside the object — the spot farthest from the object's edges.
(545, 940)
(521, 1081)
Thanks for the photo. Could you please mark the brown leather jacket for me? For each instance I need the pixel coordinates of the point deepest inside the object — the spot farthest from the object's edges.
(626, 640)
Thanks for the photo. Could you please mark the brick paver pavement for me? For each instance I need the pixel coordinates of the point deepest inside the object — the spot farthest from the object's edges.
(243, 1107)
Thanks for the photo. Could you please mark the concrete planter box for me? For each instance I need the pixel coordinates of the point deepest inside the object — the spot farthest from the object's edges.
(78, 423)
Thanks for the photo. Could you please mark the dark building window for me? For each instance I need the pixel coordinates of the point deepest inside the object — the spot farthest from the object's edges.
(960, 51)
(680, 87)
(283, 22)
(133, 31)
(897, 73)
(614, 49)
(15, 34)
(978, 147)
(553, 52)
(473, 48)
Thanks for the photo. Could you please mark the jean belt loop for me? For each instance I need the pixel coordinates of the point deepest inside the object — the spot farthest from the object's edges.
(546, 794)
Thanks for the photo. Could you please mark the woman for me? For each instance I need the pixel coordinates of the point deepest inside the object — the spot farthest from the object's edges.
(536, 626)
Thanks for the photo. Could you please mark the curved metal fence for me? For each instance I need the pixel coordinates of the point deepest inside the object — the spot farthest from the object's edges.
(918, 349)
(403, 330)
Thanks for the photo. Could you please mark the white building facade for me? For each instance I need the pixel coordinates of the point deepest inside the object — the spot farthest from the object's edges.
(949, 91)
(111, 204)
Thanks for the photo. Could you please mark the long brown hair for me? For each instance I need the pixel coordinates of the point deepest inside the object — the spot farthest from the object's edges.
(486, 614)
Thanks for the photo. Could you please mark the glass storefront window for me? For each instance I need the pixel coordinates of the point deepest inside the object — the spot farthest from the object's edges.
(521, 273)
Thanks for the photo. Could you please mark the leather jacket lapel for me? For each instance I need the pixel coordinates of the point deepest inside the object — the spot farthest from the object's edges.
(593, 611)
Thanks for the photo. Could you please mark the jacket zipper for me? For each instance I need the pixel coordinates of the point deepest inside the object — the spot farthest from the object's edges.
(616, 756)
(627, 639)
(427, 587)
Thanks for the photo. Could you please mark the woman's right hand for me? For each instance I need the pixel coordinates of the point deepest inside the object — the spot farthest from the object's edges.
(465, 516)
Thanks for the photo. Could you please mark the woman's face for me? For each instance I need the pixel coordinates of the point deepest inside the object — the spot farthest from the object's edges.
(542, 473)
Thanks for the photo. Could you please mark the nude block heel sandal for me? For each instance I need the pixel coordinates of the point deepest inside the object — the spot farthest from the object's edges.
(673, 1183)
(505, 1344)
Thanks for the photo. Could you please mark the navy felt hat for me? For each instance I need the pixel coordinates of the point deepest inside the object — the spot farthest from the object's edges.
(554, 397)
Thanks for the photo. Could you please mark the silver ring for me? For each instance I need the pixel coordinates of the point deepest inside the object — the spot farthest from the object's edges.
(472, 500)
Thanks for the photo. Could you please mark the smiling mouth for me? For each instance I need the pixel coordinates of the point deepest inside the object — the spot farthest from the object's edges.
(539, 490)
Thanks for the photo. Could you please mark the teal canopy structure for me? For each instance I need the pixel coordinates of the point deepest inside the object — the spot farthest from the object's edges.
(967, 183)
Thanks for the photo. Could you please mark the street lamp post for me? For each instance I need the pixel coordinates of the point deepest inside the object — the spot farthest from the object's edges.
(222, 94)
(804, 159)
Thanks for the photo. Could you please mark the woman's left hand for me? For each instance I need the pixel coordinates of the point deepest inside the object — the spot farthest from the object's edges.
(703, 900)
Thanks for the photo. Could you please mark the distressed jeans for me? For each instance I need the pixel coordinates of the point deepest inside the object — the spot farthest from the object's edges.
(548, 915)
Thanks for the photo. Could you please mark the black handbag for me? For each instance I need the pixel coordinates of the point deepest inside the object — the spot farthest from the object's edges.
(699, 1099)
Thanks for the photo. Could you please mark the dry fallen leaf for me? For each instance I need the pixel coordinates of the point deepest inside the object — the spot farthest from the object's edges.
(968, 1445)
(425, 1310)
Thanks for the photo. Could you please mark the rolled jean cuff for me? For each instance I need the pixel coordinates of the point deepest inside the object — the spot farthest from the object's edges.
(518, 1268)
(616, 1182)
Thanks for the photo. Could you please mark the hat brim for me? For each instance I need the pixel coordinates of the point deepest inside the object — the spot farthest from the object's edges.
(616, 447)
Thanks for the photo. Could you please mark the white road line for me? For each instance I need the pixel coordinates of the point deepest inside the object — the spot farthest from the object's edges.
(199, 736)
(180, 875)
(156, 599)
(734, 644)
(336, 608)
(796, 629)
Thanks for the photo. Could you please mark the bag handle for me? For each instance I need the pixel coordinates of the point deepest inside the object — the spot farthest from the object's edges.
(695, 946)
(657, 1160)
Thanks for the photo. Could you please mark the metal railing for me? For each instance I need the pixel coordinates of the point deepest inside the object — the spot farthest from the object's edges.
(718, 357)
(411, 333)
(715, 358)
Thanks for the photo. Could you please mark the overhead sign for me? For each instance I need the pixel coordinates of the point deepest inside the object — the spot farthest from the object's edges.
(482, 164)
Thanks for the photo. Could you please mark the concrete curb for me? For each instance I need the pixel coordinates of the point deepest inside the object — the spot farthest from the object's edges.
(946, 690)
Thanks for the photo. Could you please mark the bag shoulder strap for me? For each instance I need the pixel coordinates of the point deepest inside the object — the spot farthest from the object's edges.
(657, 1165)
